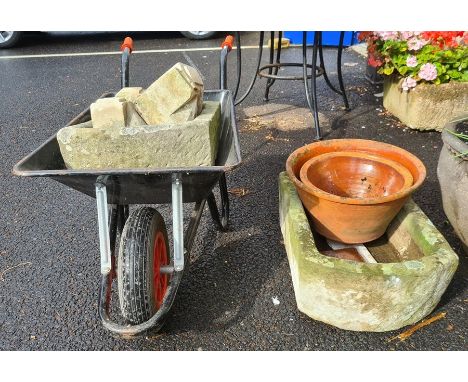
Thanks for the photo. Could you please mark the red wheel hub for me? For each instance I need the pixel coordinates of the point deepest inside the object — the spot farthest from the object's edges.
(160, 280)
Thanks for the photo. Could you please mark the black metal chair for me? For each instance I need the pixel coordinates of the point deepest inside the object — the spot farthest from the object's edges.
(270, 71)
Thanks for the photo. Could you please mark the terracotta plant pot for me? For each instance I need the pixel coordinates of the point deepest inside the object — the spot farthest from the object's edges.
(350, 219)
(351, 176)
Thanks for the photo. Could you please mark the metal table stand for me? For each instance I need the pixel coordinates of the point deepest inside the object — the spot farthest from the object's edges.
(270, 71)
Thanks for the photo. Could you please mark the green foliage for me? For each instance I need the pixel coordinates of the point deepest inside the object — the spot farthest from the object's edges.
(463, 137)
(451, 64)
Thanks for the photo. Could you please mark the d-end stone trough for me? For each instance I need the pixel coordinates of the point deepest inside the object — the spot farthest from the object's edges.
(362, 296)
(427, 106)
(192, 143)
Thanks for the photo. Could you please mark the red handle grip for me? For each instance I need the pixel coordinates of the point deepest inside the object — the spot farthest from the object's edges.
(128, 43)
(229, 40)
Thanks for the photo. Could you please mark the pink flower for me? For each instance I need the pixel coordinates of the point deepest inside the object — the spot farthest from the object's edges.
(411, 61)
(415, 43)
(388, 35)
(462, 40)
(406, 35)
(428, 72)
(408, 83)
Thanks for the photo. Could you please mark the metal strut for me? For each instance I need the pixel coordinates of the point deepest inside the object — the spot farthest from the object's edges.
(178, 222)
(103, 218)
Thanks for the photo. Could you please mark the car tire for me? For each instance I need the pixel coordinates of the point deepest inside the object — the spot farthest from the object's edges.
(199, 35)
(9, 39)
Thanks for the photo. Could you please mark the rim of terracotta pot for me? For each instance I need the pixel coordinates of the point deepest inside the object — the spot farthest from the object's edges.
(400, 169)
(299, 156)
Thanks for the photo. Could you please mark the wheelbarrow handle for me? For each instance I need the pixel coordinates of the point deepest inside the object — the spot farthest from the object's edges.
(127, 43)
(228, 41)
(126, 48)
(226, 47)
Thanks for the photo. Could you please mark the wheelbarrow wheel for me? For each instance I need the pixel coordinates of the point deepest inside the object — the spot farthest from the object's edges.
(143, 249)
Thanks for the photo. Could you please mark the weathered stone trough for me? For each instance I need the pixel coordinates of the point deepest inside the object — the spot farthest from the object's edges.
(415, 266)
(427, 106)
(187, 144)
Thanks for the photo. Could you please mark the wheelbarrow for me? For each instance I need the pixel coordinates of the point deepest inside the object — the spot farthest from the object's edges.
(148, 273)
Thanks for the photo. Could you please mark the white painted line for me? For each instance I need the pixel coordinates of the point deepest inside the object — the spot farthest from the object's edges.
(59, 55)
(148, 51)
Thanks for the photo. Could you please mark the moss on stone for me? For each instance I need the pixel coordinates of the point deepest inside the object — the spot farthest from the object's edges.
(363, 296)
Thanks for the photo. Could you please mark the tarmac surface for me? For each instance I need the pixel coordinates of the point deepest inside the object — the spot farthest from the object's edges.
(49, 252)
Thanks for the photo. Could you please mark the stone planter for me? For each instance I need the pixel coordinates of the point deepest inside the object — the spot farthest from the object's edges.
(427, 106)
(453, 178)
(364, 296)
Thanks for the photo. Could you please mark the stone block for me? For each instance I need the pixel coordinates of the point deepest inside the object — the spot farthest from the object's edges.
(175, 91)
(133, 119)
(188, 112)
(188, 144)
(108, 113)
(84, 125)
(427, 106)
(129, 94)
(363, 296)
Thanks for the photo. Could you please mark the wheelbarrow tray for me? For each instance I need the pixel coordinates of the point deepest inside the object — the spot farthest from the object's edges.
(138, 185)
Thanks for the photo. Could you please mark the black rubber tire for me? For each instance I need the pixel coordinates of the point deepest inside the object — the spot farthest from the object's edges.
(12, 41)
(135, 264)
(193, 36)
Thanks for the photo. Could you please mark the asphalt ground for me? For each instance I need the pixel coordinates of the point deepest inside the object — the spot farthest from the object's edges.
(49, 252)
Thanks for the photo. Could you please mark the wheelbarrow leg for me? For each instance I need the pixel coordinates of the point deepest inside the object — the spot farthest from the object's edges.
(178, 223)
(107, 279)
(222, 220)
(104, 229)
(108, 229)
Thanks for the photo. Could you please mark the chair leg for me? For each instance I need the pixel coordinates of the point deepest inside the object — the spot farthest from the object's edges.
(322, 67)
(254, 78)
(311, 98)
(304, 70)
(338, 68)
(318, 133)
(270, 69)
(275, 70)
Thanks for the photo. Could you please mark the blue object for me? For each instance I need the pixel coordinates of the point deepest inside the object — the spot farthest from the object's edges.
(329, 38)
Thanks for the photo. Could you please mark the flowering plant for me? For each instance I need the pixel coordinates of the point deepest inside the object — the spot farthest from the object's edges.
(432, 57)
